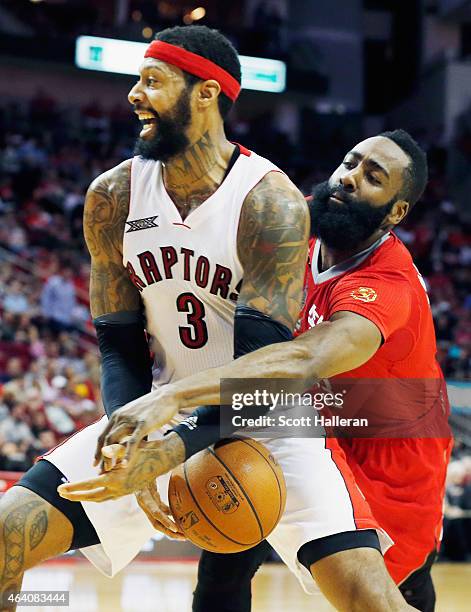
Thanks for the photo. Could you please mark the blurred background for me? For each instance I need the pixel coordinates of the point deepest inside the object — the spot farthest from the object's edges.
(353, 68)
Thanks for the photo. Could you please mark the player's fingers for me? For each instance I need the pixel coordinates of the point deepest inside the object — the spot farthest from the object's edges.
(106, 465)
(96, 495)
(132, 444)
(84, 485)
(165, 508)
(113, 451)
(116, 435)
(152, 507)
(172, 534)
(158, 500)
(146, 503)
(154, 513)
(112, 456)
(100, 442)
(159, 525)
(112, 439)
(165, 511)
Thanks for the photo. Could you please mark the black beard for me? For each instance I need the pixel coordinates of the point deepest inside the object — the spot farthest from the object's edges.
(345, 226)
(170, 139)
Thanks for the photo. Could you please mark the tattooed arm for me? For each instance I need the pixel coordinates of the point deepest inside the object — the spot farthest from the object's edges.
(105, 214)
(272, 246)
(115, 302)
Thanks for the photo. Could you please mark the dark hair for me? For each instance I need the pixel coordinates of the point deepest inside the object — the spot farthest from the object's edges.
(416, 173)
(210, 44)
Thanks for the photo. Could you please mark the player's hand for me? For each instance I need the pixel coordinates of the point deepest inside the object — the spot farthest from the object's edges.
(157, 512)
(130, 424)
(151, 460)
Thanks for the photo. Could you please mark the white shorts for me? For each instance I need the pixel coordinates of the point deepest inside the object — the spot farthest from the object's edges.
(322, 499)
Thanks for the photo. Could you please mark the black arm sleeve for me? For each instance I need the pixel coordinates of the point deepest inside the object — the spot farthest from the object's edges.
(125, 358)
(252, 330)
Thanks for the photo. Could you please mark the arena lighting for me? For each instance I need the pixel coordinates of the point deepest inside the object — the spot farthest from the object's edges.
(125, 56)
(198, 13)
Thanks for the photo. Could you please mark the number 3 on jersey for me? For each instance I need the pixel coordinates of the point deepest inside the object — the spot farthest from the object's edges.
(195, 335)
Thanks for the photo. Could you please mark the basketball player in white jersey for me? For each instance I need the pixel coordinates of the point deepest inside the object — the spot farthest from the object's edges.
(171, 233)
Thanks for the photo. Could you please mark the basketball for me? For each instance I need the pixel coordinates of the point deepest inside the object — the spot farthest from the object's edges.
(228, 498)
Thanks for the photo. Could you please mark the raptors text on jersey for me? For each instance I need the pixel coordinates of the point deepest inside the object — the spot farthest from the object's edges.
(187, 271)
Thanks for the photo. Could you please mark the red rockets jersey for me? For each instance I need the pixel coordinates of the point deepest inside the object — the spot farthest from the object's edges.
(383, 285)
(402, 479)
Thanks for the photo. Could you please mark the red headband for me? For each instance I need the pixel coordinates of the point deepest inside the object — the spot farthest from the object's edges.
(194, 64)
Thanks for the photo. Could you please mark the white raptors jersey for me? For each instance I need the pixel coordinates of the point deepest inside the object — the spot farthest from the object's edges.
(188, 271)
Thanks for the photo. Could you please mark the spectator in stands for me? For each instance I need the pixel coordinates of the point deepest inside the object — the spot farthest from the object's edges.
(13, 370)
(15, 300)
(14, 427)
(58, 300)
(14, 457)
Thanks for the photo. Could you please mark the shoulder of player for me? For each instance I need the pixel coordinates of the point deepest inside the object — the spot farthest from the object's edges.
(113, 180)
(106, 210)
(108, 195)
(392, 260)
(276, 199)
(370, 283)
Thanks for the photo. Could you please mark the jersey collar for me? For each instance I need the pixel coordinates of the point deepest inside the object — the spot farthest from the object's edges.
(344, 266)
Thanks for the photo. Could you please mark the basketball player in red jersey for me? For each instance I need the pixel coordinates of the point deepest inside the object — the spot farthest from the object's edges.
(366, 314)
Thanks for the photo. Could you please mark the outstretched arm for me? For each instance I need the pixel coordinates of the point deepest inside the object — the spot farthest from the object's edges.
(342, 344)
(337, 346)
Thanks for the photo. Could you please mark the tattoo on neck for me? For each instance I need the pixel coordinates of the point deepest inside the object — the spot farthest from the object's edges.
(188, 182)
(196, 161)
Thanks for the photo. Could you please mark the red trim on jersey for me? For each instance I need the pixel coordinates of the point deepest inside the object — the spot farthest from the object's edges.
(182, 224)
(66, 439)
(242, 149)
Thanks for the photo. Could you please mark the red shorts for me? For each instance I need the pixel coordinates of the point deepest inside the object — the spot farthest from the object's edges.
(403, 481)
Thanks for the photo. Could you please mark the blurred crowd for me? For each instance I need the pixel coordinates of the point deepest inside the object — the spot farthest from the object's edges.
(457, 525)
(49, 368)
